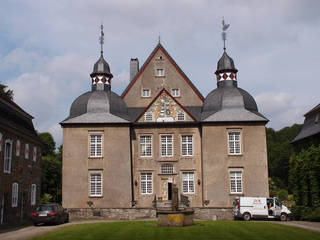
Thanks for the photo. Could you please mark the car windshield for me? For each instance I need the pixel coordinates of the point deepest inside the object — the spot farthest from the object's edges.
(45, 208)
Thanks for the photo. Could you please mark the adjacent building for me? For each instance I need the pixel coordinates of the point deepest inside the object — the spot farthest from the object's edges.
(20, 153)
(310, 132)
(122, 153)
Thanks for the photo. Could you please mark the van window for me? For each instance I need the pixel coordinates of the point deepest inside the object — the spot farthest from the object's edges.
(278, 203)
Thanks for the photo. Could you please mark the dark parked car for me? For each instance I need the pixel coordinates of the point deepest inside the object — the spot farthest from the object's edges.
(50, 213)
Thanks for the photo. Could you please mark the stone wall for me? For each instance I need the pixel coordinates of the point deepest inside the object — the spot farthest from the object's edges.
(111, 213)
(143, 213)
(213, 213)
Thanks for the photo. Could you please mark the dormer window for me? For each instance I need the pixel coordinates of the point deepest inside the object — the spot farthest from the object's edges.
(181, 116)
(146, 92)
(148, 117)
(175, 92)
(160, 72)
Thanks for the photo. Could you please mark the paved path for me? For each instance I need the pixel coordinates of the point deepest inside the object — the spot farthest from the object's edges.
(28, 232)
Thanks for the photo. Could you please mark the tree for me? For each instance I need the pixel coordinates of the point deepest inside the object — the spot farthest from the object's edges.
(51, 170)
(8, 93)
(49, 144)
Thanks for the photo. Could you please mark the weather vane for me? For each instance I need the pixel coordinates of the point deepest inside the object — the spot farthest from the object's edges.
(224, 33)
(101, 39)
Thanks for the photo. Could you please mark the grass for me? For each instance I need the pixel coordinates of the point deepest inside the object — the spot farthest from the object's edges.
(201, 230)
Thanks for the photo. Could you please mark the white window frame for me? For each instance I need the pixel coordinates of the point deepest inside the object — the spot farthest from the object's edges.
(147, 115)
(1, 141)
(26, 151)
(144, 145)
(15, 194)
(167, 168)
(236, 181)
(33, 194)
(7, 160)
(179, 118)
(234, 144)
(146, 92)
(166, 146)
(175, 92)
(146, 183)
(187, 145)
(188, 186)
(18, 147)
(95, 145)
(34, 154)
(160, 72)
(94, 183)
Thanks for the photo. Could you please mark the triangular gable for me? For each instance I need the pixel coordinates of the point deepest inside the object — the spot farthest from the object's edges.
(179, 70)
(165, 108)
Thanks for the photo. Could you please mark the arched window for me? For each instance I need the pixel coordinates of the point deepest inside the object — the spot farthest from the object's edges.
(167, 168)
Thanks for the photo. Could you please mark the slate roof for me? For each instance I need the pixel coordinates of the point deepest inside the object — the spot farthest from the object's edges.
(16, 118)
(98, 107)
(311, 125)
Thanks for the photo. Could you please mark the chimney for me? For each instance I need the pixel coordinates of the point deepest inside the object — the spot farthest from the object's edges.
(134, 68)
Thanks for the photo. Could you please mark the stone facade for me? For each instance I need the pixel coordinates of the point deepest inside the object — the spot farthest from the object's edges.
(20, 154)
(213, 149)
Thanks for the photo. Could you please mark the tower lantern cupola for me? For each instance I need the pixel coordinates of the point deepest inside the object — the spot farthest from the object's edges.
(101, 75)
(226, 72)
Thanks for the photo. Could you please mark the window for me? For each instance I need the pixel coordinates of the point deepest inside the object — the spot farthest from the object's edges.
(26, 151)
(95, 146)
(166, 145)
(146, 183)
(234, 143)
(95, 185)
(236, 182)
(188, 182)
(1, 142)
(145, 93)
(187, 145)
(175, 92)
(145, 146)
(148, 117)
(34, 154)
(160, 72)
(181, 116)
(18, 146)
(33, 194)
(167, 168)
(15, 192)
(7, 156)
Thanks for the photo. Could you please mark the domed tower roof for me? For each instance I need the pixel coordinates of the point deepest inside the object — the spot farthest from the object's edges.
(228, 102)
(226, 63)
(100, 105)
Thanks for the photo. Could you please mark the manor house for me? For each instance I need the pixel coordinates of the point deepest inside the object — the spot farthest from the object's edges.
(123, 153)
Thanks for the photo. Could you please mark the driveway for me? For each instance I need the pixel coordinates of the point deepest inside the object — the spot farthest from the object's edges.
(28, 232)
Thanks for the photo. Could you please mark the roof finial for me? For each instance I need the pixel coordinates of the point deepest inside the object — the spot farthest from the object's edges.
(159, 37)
(224, 34)
(101, 39)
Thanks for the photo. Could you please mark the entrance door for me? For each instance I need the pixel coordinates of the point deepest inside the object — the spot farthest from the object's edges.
(169, 191)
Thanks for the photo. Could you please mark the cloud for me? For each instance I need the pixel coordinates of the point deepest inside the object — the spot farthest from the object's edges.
(280, 109)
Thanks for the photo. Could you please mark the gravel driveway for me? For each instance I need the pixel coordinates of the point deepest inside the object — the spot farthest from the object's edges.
(32, 231)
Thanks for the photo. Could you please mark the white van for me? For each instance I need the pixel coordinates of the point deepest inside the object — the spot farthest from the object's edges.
(259, 207)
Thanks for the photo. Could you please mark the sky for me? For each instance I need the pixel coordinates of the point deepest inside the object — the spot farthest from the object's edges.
(48, 48)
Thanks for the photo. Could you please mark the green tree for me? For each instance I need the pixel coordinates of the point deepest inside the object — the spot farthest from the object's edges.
(5, 91)
(49, 144)
(51, 170)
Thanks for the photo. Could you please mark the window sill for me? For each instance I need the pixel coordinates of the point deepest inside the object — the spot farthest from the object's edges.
(237, 194)
(236, 154)
(146, 96)
(95, 196)
(95, 157)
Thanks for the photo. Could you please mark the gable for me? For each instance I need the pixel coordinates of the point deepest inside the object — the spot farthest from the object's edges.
(158, 72)
(164, 108)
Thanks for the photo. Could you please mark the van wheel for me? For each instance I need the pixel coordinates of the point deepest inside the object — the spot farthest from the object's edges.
(283, 217)
(246, 216)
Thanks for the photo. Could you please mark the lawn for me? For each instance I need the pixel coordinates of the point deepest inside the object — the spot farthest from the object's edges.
(201, 230)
